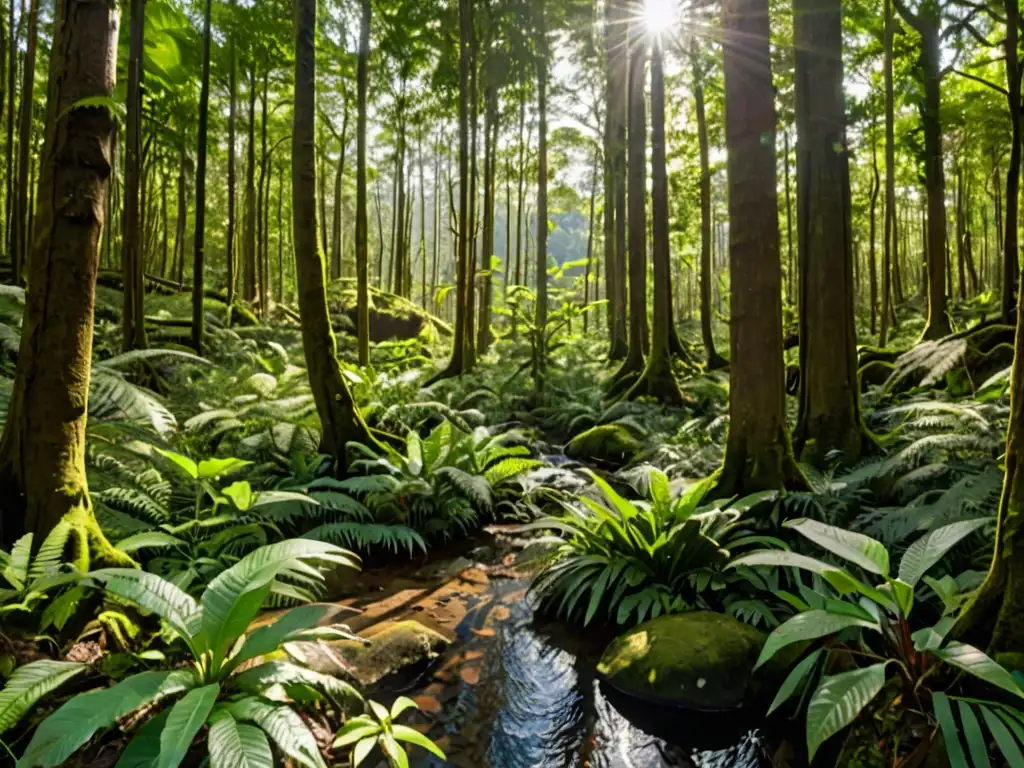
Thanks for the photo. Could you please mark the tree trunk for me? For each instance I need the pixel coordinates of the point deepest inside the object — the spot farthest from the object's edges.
(362, 223)
(1011, 266)
(890, 177)
(229, 250)
(12, 95)
(339, 417)
(164, 228)
(249, 234)
(616, 42)
(633, 365)
(133, 315)
(336, 220)
(20, 239)
(872, 254)
(791, 266)
(590, 238)
(541, 318)
(471, 277)
(829, 417)
(714, 360)
(280, 235)
(522, 191)
(658, 379)
(483, 334)
(42, 452)
(423, 221)
(758, 453)
(437, 224)
(261, 219)
(398, 265)
(198, 269)
(457, 363)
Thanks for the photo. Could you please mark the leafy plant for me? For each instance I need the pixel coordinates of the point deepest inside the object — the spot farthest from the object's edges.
(379, 729)
(31, 579)
(223, 686)
(869, 620)
(634, 559)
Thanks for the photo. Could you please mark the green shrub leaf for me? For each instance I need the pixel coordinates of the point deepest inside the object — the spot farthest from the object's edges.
(837, 702)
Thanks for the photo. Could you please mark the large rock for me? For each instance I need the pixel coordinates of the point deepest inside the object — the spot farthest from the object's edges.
(610, 444)
(389, 649)
(391, 317)
(700, 661)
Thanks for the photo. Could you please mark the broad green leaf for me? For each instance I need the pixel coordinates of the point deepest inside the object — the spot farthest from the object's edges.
(950, 731)
(782, 559)
(808, 626)
(362, 750)
(975, 662)
(1004, 739)
(67, 729)
(29, 683)
(148, 539)
(410, 736)
(237, 745)
(931, 638)
(240, 493)
(928, 550)
(258, 679)
(269, 637)
(976, 745)
(21, 555)
(393, 750)
(837, 702)
(211, 468)
(402, 703)
(284, 727)
(187, 716)
(861, 550)
(904, 594)
(189, 466)
(143, 751)
(151, 593)
(660, 490)
(795, 680)
(356, 729)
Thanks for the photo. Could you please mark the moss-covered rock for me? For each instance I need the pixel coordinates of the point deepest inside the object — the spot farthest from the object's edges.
(606, 444)
(701, 661)
(393, 648)
(391, 317)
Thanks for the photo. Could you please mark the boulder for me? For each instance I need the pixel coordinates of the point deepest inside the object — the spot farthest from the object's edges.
(699, 661)
(610, 444)
(389, 649)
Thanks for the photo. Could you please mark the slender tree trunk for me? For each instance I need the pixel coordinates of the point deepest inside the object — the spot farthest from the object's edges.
(617, 122)
(590, 237)
(758, 454)
(401, 246)
(179, 229)
(380, 236)
(1011, 266)
(249, 232)
(261, 219)
(829, 417)
(522, 191)
(714, 360)
(42, 452)
(658, 379)
(20, 239)
(637, 178)
(437, 225)
(483, 337)
(423, 220)
(339, 417)
(280, 235)
(541, 317)
(791, 266)
(165, 233)
(872, 254)
(229, 250)
(362, 224)
(133, 315)
(198, 269)
(336, 221)
(12, 95)
(890, 178)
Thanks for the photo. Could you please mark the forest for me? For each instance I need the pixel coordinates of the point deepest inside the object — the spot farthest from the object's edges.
(512, 383)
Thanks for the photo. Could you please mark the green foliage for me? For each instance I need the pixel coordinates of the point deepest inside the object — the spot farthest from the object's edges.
(634, 560)
(379, 729)
(30, 580)
(870, 620)
(214, 688)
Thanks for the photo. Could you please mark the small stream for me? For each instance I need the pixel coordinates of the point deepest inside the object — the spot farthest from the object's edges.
(517, 692)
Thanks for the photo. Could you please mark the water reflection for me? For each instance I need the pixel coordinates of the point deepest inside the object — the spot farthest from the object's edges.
(513, 694)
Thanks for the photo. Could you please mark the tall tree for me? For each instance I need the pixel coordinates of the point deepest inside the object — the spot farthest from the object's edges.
(42, 452)
(133, 312)
(714, 360)
(249, 225)
(362, 223)
(20, 235)
(229, 248)
(758, 455)
(340, 420)
(658, 379)
(927, 22)
(199, 258)
(829, 418)
(541, 317)
(617, 65)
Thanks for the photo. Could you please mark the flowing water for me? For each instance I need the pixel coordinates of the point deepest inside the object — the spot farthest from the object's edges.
(515, 693)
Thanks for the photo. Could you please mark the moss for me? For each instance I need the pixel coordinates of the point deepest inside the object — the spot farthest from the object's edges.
(701, 660)
(875, 373)
(607, 444)
(388, 651)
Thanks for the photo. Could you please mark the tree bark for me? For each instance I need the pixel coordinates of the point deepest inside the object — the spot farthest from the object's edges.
(339, 417)
(133, 314)
(1011, 266)
(872, 250)
(398, 265)
(249, 234)
(12, 80)
(20, 239)
(261, 197)
(616, 42)
(658, 379)
(758, 453)
(42, 452)
(541, 317)
(229, 250)
(362, 223)
(199, 263)
(829, 416)
(714, 360)
(483, 334)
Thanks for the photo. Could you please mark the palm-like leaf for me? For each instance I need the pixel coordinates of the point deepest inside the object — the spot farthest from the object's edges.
(30, 683)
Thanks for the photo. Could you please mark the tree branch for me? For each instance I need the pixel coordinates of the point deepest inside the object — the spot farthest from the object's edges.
(983, 81)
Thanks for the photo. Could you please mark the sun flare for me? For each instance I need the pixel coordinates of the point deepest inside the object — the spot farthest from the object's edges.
(660, 15)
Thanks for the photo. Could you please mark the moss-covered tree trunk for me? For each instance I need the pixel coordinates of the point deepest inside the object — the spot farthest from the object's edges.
(758, 454)
(133, 315)
(714, 360)
(42, 451)
(362, 222)
(658, 379)
(829, 417)
(339, 417)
